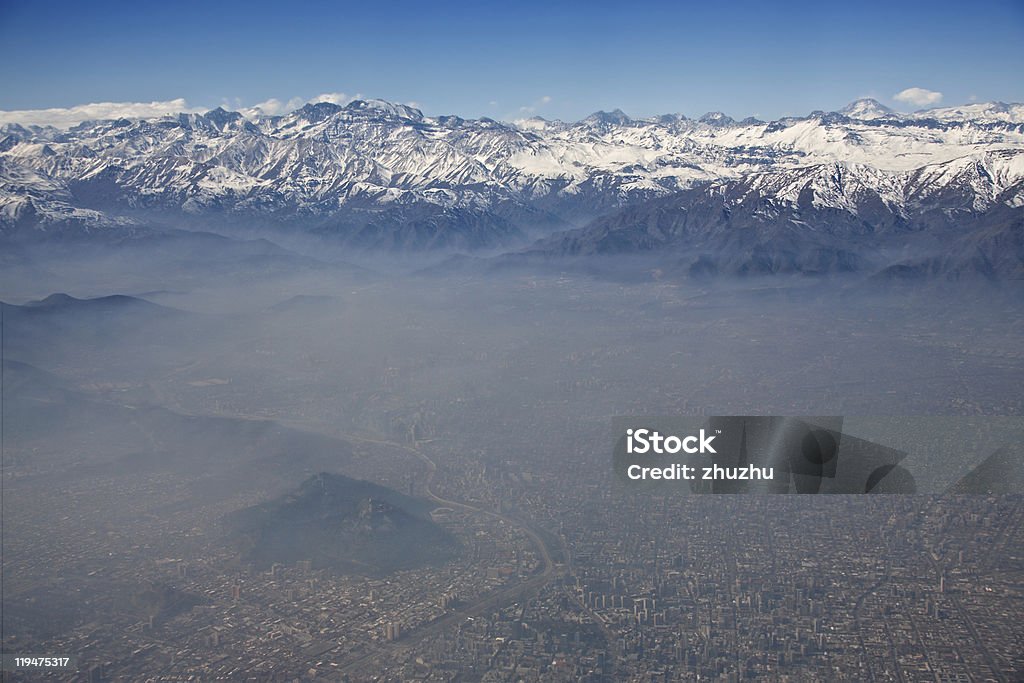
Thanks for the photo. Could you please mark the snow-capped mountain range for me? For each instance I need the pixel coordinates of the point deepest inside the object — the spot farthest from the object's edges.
(377, 174)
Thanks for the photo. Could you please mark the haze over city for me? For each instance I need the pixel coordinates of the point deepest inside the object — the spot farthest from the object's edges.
(325, 328)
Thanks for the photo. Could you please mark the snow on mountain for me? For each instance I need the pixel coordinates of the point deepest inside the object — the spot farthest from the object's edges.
(866, 109)
(358, 168)
(980, 112)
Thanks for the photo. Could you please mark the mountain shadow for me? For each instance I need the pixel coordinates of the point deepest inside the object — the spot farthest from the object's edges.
(345, 525)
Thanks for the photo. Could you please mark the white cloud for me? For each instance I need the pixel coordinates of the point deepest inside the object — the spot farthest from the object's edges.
(271, 107)
(918, 97)
(70, 116)
(338, 98)
(276, 107)
(532, 108)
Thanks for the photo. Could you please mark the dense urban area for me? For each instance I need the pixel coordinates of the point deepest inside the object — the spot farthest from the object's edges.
(126, 453)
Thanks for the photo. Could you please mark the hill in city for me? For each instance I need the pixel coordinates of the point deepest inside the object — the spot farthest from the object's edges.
(343, 524)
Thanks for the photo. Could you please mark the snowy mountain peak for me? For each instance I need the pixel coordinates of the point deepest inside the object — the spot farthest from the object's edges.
(401, 111)
(716, 118)
(542, 125)
(867, 109)
(980, 111)
(314, 113)
(222, 118)
(369, 165)
(616, 117)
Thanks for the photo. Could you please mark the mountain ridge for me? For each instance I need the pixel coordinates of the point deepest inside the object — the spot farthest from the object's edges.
(381, 176)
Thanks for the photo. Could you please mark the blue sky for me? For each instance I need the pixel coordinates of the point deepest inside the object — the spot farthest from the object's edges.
(513, 59)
